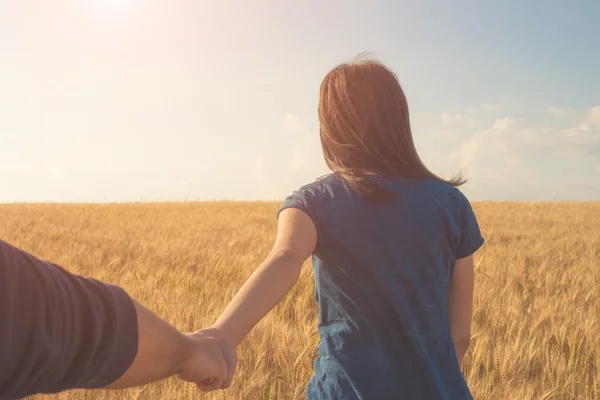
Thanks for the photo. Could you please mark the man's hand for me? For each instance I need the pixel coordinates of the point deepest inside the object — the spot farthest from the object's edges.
(163, 351)
(205, 365)
(214, 340)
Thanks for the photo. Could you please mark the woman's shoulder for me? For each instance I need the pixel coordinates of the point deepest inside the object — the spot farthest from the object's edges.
(314, 193)
(310, 196)
(320, 184)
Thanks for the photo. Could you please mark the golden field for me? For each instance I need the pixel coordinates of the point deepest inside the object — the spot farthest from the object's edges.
(536, 332)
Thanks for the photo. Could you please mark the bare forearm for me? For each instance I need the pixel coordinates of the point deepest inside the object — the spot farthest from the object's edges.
(259, 295)
(161, 351)
(461, 346)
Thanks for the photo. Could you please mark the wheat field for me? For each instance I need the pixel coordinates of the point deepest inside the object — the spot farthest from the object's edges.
(536, 322)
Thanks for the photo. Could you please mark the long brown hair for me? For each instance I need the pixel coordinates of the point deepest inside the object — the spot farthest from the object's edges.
(365, 128)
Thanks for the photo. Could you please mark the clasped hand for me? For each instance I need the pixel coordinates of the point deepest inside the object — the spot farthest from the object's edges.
(210, 362)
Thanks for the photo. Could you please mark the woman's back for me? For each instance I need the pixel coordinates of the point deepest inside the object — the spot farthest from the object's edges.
(382, 274)
(391, 256)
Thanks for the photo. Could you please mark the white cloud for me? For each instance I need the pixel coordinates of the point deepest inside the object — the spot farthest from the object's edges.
(593, 116)
(503, 124)
(483, 140)
(292, 159)
(503, 158)
(561, 112)
(305, 154)
(490, 107)
(292, 124)
(448, 118)
(513, 158)
(486, 107)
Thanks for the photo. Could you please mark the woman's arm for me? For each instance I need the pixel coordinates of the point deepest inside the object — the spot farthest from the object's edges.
(279, 272)
(461, 305)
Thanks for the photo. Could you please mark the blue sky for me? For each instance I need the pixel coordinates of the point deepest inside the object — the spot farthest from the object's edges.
(143, 100)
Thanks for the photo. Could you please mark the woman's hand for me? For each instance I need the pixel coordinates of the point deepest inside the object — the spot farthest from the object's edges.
(214, 339)
(203, 362)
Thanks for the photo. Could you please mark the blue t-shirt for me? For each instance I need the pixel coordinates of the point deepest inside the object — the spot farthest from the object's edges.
(382, 275)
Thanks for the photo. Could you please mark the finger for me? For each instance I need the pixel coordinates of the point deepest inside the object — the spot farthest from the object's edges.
(214, 383)
(230, 356)
(207, 385)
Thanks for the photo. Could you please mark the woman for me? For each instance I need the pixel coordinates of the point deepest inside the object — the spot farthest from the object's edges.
(392, 249)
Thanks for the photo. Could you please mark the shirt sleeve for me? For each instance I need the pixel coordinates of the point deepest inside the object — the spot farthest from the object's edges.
(301, 199)
(60, 331)
(470, 239)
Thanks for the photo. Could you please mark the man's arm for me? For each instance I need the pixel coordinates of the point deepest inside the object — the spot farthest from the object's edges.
(163, 351)
(60, 331)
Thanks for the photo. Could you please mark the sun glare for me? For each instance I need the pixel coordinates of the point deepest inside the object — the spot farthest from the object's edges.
(118, 4)
(112, 7)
